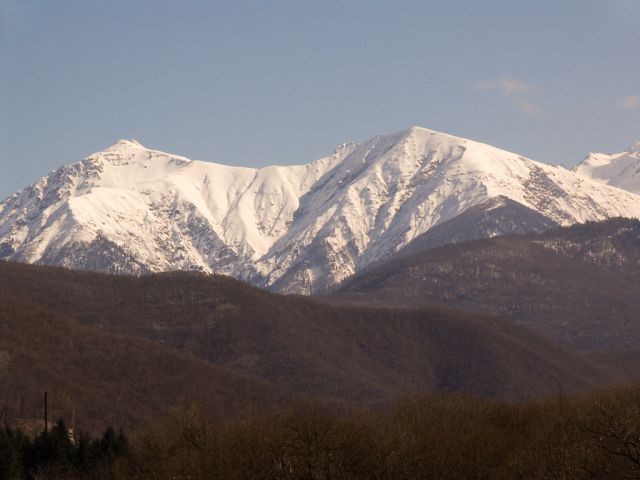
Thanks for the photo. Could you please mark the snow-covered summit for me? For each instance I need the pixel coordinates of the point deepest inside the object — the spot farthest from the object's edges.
(393, 188)
(621, 170)
(295, 228)
(125, 144)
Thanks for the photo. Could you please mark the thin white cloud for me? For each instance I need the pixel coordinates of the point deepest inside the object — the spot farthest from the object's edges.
(526, 106)
(514, 90)
(631, 101)
(508, 85)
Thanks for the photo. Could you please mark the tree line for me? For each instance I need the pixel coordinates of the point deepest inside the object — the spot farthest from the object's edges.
(59, 454)
(428, 437)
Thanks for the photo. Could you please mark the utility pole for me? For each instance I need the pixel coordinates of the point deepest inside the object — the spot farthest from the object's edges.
(46, 426)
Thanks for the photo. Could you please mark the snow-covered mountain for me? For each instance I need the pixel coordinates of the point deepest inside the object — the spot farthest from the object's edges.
(137, 210)
(300, 229)
(618, 169)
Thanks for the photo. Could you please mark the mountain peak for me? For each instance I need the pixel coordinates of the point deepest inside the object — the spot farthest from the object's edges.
(616, 169)
(124, 144)
(418, 130)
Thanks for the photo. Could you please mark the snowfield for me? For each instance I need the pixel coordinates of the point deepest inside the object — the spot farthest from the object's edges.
(129, 209)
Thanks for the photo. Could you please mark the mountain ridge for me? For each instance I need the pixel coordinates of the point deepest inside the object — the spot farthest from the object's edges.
(296, 229)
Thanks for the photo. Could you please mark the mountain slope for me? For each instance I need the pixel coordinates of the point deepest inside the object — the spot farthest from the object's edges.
(294, 229)
(100, 378)
(619, 169)
(304, 347)
(579, 284)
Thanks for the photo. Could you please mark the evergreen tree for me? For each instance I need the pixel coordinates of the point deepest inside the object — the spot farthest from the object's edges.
(10, 464)
(83, 455)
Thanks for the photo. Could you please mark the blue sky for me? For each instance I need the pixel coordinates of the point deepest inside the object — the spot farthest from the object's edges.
(280, 82)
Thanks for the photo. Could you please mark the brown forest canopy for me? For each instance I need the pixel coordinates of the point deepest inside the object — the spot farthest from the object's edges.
(439, 437)
(124, 350)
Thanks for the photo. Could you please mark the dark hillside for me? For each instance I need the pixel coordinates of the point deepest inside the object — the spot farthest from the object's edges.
(104, 378)
(139, 343)
(579, 285)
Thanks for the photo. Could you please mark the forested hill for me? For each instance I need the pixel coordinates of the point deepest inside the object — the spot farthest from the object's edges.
(579, 285)
(123, 350)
